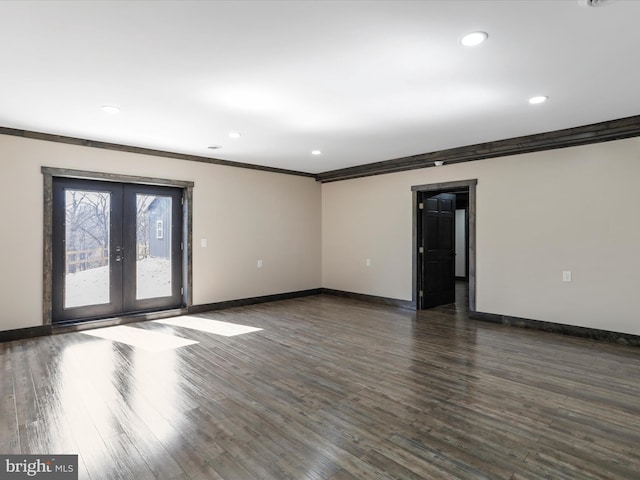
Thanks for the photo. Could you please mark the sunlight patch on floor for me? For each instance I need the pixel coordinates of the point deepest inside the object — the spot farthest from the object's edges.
(140, 338)
(216, 327)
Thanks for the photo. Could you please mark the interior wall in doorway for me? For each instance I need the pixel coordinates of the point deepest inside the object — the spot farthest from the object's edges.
(461, 244)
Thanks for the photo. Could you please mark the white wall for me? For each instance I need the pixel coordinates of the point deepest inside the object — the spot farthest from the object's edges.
(537, 215)
(245, 215)
(367, 218)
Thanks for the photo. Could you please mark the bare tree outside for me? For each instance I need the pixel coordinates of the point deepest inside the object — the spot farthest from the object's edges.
(87, 226)
(142, 224)
(87, 245)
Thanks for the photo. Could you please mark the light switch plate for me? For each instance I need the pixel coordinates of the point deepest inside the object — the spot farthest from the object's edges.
(566, 276)
(203, 242)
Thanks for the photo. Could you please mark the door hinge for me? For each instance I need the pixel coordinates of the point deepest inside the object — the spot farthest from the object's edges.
(421, 250)
(181, 291)
(421, 293)
(181, 200)
(421, 206)
(181, 245)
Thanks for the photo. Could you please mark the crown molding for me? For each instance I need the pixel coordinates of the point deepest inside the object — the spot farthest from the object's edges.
(570, 137)
(144, 151)
(584, 135)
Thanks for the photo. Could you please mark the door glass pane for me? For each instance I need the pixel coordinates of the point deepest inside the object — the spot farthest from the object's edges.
(153, 246)
(87, 219)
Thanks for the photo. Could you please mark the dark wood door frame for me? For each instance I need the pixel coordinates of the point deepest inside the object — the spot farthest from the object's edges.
(471, 250)
(49, 173)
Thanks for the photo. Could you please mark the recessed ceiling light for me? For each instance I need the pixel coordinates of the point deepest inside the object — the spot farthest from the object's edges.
(234, 135)
(438, 163)
(316, 152)
(110, 109)
(214, 147)
(594, 3)
(474, 39)
(538, 99)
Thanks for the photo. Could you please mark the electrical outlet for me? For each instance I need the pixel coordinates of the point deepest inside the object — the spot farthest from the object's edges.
(566, 276)
(367, 262)
(259, 264)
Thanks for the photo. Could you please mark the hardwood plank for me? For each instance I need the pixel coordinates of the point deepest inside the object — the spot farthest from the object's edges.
(342, 475)
(10, 437)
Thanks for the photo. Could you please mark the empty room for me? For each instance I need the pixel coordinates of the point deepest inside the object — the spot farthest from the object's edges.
(320, 240)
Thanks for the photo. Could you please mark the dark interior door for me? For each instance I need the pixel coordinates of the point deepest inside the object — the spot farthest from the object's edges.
(436, 250)
(117, 249)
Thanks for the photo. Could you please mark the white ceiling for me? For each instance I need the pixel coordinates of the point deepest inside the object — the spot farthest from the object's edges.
(361, 81)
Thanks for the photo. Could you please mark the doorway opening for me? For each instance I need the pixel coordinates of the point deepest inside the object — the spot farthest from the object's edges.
(444, 227)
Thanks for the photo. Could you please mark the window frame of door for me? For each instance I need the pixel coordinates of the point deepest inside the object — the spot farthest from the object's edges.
(446, 187)
(49, 173)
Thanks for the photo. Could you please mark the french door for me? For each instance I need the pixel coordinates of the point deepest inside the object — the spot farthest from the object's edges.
(117, 249)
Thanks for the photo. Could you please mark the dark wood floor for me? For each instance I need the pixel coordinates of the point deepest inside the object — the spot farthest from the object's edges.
(331, 389)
